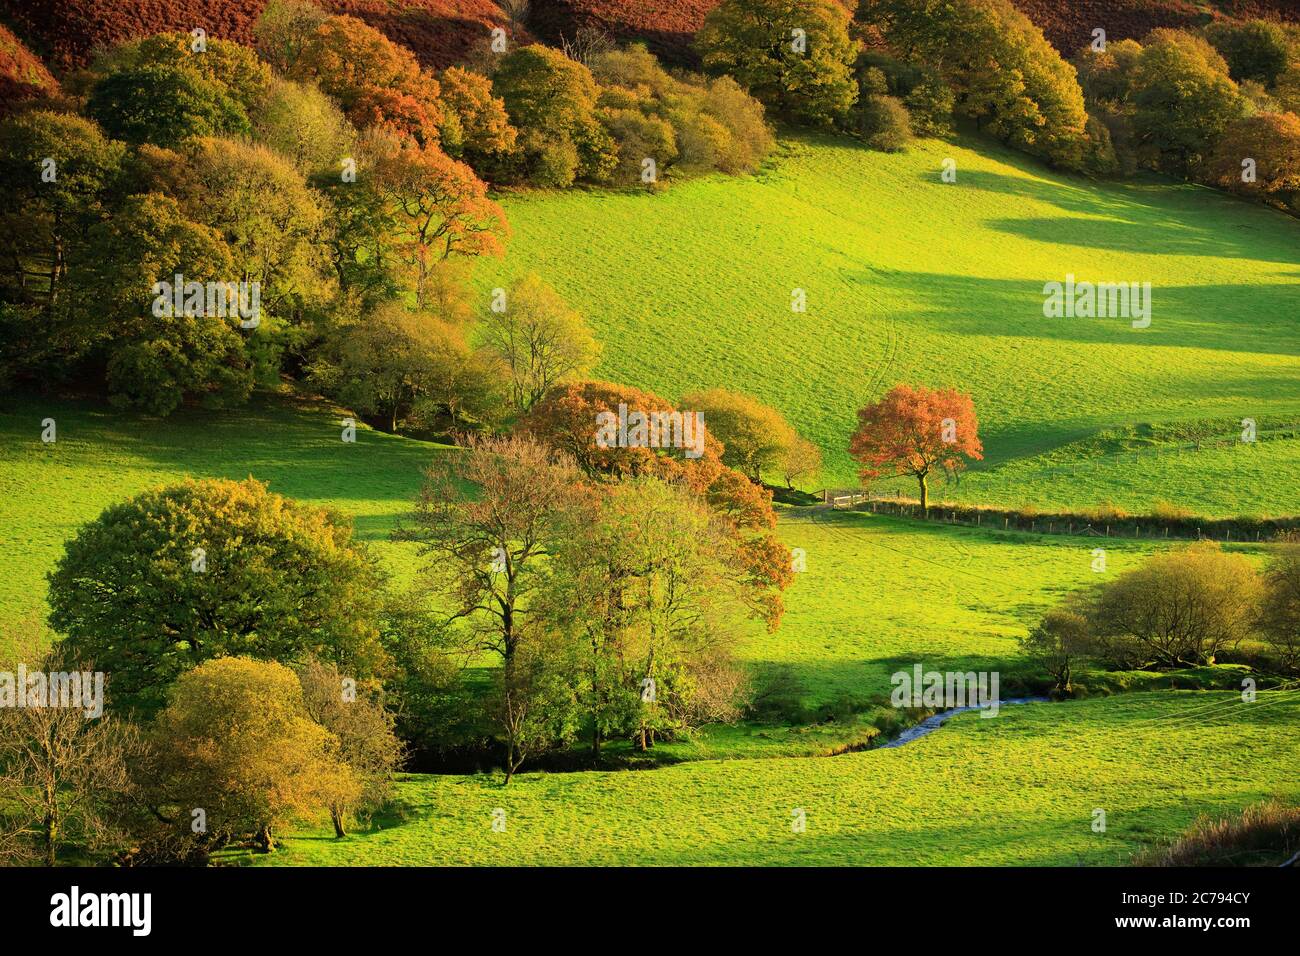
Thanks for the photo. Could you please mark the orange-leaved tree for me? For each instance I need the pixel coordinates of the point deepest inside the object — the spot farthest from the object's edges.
(567, 419)
(915, 431)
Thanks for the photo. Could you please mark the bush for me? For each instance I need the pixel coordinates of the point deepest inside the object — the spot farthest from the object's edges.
(1264, 833)
(884, 123)
(930, 105)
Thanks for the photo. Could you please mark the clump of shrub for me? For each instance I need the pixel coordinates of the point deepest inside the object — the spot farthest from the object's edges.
(1264, 834)
(884, 123)
(682, 121)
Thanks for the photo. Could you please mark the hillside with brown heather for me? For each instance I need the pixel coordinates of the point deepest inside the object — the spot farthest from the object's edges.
(668, 25)
(22, 75)
(440, 32)
(66, 33)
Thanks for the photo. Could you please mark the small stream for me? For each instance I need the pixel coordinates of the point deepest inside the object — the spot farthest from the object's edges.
(931, 724)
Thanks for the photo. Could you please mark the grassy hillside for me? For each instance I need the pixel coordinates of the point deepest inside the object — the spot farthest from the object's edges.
(1018, 789)
(102, 456)
(969, 593)
(911, 279)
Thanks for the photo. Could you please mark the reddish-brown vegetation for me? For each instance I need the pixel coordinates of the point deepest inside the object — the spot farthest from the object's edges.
(442, 32)
(1069, 25)
(22, 75)
(439, 32)
(667, 26)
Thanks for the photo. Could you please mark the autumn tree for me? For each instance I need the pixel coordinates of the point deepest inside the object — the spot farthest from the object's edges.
(1181, 608)
(916, 431)
(1280, 609)
(364, 731)
(566, 421)
(434, 208)
(754, 436)
(236, 744)
(63, 769)
(539, 339)
(796, 56)
(376, 81)
(186, 573)
(475, 126)
(1268, 145)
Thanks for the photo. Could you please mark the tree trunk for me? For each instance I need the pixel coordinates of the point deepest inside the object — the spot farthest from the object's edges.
(265, 841)
(336, 817)
(925, 493)
(51, 837)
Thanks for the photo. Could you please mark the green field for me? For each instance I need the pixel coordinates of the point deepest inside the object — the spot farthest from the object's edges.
(908, 279)
(102, 456)
(1018, 789)
(911, 279)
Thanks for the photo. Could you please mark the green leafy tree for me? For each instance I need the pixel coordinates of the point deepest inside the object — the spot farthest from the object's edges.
(61, 175)
(165, 105)
(1254, 49)
(1056, 643)
(1184, 101)
(156, 359)
(205, 569)
(1280, 609)
(284, 29)
(754, 436)
(1180, 609)
(551, 100)
(364, 730)
(300, 122)
(1003, 72)
(796, 56)
(404, 366)
(272, 222)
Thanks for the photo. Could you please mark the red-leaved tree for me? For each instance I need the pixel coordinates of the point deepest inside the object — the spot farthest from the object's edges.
(915, 431)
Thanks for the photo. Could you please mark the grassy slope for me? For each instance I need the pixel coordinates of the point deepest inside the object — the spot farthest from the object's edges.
(911, 279)
(1014, 790)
